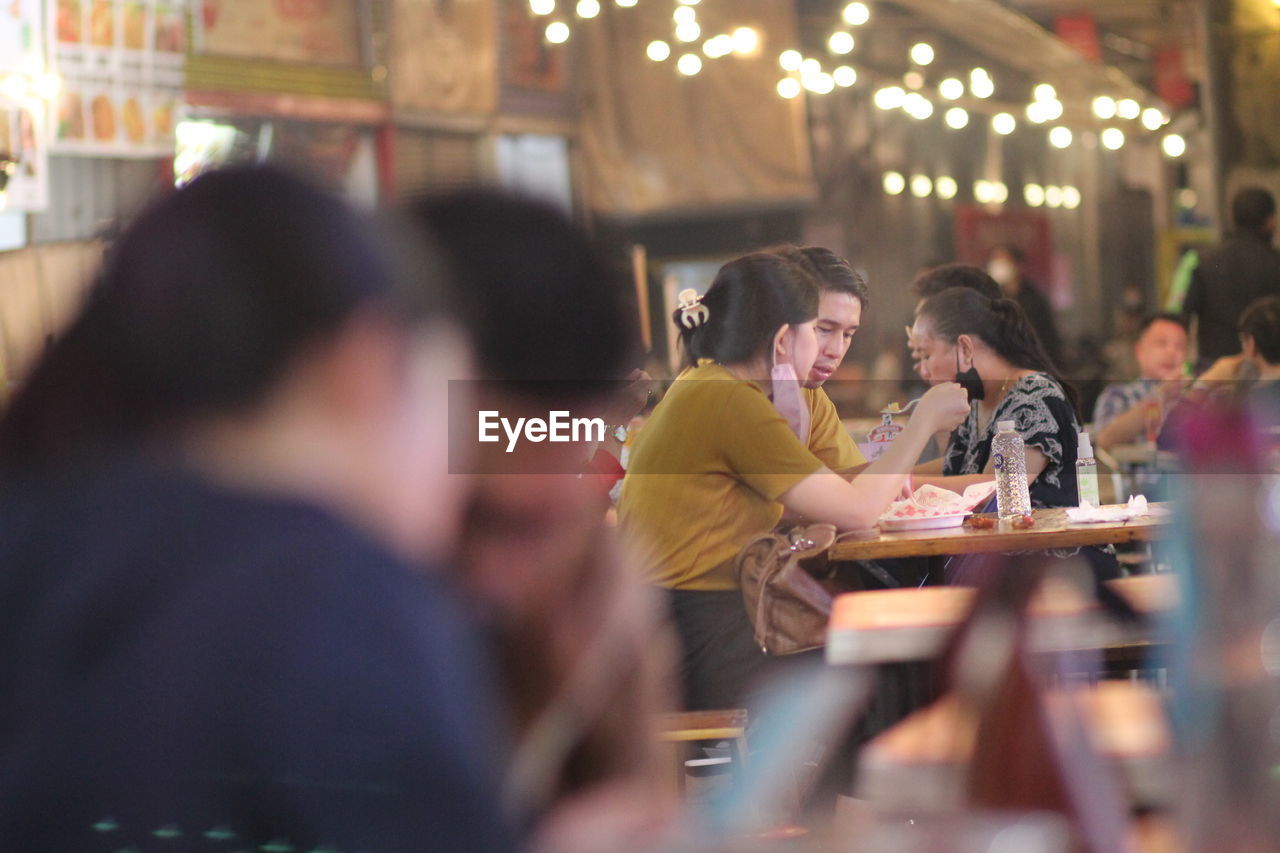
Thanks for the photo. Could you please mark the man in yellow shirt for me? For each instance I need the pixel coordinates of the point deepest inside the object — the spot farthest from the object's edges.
(842, 296)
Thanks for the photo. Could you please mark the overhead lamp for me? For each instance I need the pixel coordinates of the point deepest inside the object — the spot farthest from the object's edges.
(856, 14)
(688, 32)
(890, 97)
(718, 46)
(1104, 107)
(951, 89)
(1053, 196)
(1112, 138)
(845, 76)
(921, 186)
(689, 64)
(746, 41)
(1070, 198)
(557, 32)
(588, 8)
(1044, 92)
(1003, 123)
(917, 106)
(684, 15)
(1060, 137)
(956, 118)
(658, 50)
(980, 84)
(790, 60)
(542, 7)
(894, 183)
(1174, 145)
(946, 187)
(1033, 195)
(1128, 108)
(789, 87)
(840, 43)
(922, 53)
(1153, 119)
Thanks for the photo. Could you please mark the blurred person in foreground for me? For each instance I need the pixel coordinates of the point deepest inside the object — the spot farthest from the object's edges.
(587, 660)
(224, 506)
(1231, 275)
(1125, 411)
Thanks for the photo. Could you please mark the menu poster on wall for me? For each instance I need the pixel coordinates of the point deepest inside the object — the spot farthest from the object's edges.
(315, 32)
(121, 63)
(23, 145)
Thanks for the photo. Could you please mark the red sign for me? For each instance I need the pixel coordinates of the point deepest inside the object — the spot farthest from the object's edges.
(1080, 31)
(1172, 84)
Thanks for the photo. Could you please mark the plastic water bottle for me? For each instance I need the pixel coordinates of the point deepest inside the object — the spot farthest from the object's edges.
(1010, 457)
(1087, 472)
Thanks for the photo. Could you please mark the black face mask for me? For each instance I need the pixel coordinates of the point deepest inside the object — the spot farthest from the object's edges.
(970, 381)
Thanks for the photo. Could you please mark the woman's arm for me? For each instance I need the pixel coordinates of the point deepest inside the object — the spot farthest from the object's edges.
(856, 505)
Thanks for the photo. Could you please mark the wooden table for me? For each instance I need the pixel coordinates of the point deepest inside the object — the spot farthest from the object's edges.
(1052, 530)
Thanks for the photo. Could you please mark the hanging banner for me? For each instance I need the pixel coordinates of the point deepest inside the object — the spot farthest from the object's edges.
(121, 65)
(23, 108)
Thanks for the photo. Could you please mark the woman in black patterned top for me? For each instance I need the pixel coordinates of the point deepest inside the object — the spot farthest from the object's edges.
(962, 335)
(989, 347)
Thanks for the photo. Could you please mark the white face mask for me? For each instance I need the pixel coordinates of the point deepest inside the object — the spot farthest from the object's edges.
(1005, 272)
(788, 400)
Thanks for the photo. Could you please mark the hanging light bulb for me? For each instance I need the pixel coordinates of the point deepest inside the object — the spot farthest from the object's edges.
(951, 89)
(1112, 138)
(542, 7)
(557, 32)
(921, 186)
(588, 8)
(1174, 145)
(894, 183)
(689, 64)
(1128, 108)
(1070, 198)
(945, 186)
(1153, 119)
(1033, 195)
(1003, 123)
(746, 41)
(1060, 137)
(856, 14)
(788, 87)
(658, 50)
(840, 43)
(922, 53)
(845, 76)
(889, 98)
(1044, 92)
(790, 60)
(956, 118)
(1104, 107)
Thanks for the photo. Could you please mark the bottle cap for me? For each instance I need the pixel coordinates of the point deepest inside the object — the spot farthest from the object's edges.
(1085, 450)
(1006, 426)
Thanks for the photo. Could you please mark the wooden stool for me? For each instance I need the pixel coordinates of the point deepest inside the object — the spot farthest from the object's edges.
(680, 730)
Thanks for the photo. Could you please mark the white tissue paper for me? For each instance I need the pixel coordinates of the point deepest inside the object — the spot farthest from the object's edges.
(1087, 513)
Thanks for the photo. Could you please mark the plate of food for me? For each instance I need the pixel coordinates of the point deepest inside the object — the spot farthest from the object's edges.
(923, 522)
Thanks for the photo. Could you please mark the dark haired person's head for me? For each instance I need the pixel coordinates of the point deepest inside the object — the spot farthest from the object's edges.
(1259, 327)
(250, 303)
(842, 297)
(960, 328)
(1161, 346)
(938, 279)
(1253, 209)
(1004, 264)
(549, 313)
(760, 309)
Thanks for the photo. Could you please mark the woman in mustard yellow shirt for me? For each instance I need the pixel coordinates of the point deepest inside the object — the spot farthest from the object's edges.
(725, 452)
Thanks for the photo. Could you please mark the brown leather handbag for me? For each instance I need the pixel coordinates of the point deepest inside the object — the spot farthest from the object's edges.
(779, 576)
